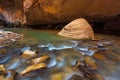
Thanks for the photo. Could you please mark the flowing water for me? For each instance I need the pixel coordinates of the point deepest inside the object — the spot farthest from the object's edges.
(100, 58)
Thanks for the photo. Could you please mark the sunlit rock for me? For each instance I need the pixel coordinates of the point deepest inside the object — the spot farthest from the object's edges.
(41, 59)
(78, 29)
(29, 54)
(2, 68)
(34, 67)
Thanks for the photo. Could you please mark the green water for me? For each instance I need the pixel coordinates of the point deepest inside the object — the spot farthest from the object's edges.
(35, 36)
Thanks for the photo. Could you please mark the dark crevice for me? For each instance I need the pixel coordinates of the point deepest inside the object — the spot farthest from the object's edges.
(98, 27)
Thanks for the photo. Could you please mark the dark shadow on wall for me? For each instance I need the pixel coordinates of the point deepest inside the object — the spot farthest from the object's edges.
(98, 27)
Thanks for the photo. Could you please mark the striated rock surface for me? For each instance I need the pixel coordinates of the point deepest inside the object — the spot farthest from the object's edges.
(78, 29)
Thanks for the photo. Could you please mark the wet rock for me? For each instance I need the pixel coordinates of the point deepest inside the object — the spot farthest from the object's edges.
(7, 75)
(2, 68)
(78, 29)
(58, 76)
(79, 63)
(29, 54)
(76, 77)
(99, 77)
(90, 63)
(41, 59)
(85, 72)
(34, 67)
(8, 36)
(99, 56)
(3, 51)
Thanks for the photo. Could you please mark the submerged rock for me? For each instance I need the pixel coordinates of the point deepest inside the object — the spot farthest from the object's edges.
(78, 29)
(29, 54)
(34, 67)
(43, 58)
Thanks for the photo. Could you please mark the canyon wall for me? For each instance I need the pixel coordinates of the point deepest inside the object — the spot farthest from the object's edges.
(12, 11)
(34, 12)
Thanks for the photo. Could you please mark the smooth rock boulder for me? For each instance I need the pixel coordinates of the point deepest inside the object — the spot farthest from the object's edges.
(78, 29)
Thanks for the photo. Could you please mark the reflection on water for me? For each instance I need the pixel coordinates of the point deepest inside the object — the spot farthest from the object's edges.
(99, 58)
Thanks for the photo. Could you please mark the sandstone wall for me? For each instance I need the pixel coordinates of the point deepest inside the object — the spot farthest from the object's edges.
(57, 11)
(12, 11)
(53, 11)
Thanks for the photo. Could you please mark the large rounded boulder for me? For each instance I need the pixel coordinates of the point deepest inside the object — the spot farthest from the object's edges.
(78, 29)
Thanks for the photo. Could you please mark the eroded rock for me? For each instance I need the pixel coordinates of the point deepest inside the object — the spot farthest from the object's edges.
(34, 67)
(41, 59)
(78, 29)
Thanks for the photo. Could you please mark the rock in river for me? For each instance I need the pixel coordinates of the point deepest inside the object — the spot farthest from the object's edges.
(78, 29)
(43, 58)
(29, 54)
(34, 67)
(2, 68)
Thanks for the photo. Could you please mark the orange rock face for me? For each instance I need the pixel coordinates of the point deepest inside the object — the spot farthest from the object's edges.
(56, 11)
(12, 11)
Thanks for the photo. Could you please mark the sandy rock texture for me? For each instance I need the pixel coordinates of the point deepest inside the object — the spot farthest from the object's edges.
(78, 29)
